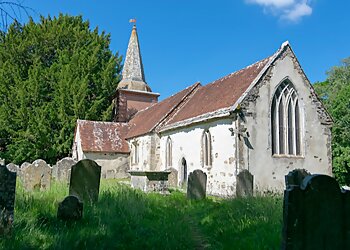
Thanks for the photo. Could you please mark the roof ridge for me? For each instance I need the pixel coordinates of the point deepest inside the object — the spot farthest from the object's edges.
(190, 88)
(271, 58)
(159, 103)
(181, 104)
(238, 71)
(261, 67)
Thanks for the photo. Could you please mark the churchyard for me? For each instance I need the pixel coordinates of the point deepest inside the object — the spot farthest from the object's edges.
(126, 218)
(87, 212)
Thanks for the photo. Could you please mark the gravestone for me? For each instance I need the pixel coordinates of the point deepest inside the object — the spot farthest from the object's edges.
(13, 167)
(70, 208)
(36, 176)
(295, 177)
(63, 169)
(85, 180)
(7, 199)
(197, 185)
(244, 184)
(54, 173)
(316, 214)
(173, 177)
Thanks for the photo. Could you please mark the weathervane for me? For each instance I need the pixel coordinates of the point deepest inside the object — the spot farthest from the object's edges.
(133, 21)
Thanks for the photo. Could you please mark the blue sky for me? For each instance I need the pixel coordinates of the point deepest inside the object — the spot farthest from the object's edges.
(184, 41)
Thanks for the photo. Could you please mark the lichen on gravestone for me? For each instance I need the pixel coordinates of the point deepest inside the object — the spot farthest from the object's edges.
(85, 180)
(36, 176)
(197, 185)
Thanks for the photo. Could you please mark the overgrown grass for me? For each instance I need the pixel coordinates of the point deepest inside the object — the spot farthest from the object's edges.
(125, 218)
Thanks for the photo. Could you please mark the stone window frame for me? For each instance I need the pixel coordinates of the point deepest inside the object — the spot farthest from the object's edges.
(286, 121)
(168, 152)
(206, 145)
(135, 154)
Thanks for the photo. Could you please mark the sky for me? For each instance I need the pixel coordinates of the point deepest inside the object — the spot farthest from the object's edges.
(186, 41)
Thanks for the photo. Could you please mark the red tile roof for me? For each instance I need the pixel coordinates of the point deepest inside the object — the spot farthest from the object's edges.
(146, 120)
(222, 93)
(103, 136)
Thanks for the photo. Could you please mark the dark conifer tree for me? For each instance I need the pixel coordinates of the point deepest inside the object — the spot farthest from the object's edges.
(52, 73)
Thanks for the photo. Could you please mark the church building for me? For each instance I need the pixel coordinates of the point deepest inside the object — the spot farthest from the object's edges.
(265, 119)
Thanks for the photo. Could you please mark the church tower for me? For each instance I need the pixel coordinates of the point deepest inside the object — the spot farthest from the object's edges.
(133, 93)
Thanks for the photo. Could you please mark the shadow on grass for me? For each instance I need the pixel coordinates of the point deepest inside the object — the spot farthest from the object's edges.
(124, 218)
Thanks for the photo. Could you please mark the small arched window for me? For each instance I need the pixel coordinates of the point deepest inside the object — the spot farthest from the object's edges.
(285, 121)
(168, 152)
(206, 148)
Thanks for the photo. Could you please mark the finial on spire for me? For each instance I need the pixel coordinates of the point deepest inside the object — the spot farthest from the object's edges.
(133, 77)
(133, 20)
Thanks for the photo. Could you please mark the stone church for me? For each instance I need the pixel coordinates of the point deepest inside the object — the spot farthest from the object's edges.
(265, 119)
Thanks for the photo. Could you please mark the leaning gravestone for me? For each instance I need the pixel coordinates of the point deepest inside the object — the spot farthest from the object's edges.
(85, 180)
(36, 176)
(70, 208)
(316, 215)
(244, 185)
(7, 199)
(63, 169)
(197, 185)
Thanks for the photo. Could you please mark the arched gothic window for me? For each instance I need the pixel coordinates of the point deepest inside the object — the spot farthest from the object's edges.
(168, 153)
(286, 121)
(134, 153)
(206, 148)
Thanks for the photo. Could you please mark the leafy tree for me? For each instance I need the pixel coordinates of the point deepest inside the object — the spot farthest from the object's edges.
(335, 93)
(52, 73)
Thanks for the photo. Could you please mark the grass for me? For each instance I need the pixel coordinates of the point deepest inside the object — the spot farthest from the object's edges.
(125, 218)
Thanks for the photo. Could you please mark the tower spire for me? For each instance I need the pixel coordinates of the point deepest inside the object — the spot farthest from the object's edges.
(133, 76)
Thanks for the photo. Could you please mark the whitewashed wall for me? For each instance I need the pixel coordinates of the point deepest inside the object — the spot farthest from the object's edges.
(148, 153)
(186, 143)
(114, 165)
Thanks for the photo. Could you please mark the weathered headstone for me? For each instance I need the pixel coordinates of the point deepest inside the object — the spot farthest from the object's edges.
(71, 208)
(245, 184)
(316, 215)
(173, 177)
(63, 169)
(7, 199)
(85, 180)
(295, 177)
(36, 176)
(197, 185)
(13, 167)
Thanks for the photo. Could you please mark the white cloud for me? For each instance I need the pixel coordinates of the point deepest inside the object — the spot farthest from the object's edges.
(289, 10)
(273, 3)
(297, 12)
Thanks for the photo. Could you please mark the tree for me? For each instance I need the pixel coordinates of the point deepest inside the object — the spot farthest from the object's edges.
(52, 73)
(11, 11)
(335, 93)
